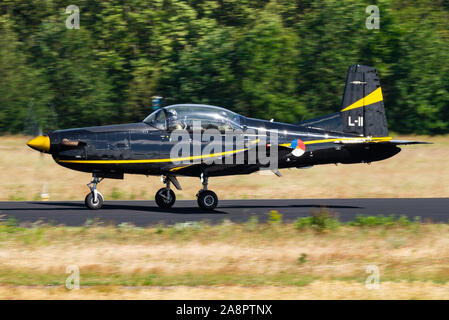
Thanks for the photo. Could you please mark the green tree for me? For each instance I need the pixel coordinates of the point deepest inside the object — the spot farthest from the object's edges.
(267, 70)
(205, 72)
(81, 87)
(277, 59)
(21, 86)
(421, 75)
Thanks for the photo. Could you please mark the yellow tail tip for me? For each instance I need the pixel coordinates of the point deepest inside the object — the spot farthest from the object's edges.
(41, 143)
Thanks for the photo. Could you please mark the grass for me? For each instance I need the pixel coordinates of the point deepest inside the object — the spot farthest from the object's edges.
(417, 171)
(321, 220)
(269, 260)
(315, 290)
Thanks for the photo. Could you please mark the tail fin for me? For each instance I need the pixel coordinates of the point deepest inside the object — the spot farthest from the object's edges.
(362, 108)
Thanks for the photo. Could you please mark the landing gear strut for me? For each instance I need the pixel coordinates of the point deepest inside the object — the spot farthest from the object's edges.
(94, 200)
(165, 197)
(207, 199)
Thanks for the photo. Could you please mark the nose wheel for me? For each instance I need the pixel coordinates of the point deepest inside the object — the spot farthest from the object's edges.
(94, 200)
(207, 199)
(165, 197)
(93, 204)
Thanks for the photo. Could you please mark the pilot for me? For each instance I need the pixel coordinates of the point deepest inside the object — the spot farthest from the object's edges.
(224, 123)
(173, 122)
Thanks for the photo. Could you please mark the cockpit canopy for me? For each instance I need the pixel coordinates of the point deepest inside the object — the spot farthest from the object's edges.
(183, 116)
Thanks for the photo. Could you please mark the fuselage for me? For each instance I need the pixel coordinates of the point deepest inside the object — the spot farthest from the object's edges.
(145, 148)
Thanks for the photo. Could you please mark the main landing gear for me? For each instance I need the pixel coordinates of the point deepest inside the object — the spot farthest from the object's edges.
(165, 197)
(94, 200)
(207, 199)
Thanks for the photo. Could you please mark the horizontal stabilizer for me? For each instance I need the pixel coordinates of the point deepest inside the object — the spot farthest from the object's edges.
(368, 141)
(408, 142)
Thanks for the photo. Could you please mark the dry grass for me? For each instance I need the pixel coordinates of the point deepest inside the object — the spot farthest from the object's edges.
(226, 261)
(418, 171)
(329, 256)
(317, 290)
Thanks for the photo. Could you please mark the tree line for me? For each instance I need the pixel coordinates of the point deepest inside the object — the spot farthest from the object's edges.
(281, 59)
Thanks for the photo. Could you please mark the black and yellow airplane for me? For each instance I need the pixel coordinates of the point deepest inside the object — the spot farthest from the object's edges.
(356, 134)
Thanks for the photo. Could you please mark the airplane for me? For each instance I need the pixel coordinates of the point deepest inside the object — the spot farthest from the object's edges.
(358, 133)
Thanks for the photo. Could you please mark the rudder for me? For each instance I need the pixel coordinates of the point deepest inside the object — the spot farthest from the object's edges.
(362, 108)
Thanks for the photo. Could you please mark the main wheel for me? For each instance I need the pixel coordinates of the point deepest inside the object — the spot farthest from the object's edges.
(207, 200)
(91, 204)
(165, 200)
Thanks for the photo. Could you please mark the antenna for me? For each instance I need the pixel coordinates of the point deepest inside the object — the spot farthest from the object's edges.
(157, 102)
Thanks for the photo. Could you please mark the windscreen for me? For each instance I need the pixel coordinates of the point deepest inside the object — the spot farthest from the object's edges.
(210, 117)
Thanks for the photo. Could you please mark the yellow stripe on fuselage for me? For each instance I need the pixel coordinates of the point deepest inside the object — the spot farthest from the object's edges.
(373, 97)
(212, 155)
(178, 168)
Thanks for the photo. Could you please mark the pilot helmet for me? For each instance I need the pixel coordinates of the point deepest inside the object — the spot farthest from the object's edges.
(172, 114)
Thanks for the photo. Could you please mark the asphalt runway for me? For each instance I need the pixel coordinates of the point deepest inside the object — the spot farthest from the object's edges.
(143, 213)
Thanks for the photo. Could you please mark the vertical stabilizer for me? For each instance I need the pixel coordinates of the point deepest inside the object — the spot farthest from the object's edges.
(362, 108)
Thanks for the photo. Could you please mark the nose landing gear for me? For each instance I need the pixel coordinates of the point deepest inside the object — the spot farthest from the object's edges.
(94, 200)
(165, 197)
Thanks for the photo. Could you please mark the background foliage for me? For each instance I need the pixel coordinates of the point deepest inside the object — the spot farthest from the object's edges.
(284, 59)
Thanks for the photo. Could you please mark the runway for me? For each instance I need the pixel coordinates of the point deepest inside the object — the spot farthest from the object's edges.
(144, 213)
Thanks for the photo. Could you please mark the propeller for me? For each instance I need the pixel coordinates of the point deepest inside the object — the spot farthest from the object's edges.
(35, 120)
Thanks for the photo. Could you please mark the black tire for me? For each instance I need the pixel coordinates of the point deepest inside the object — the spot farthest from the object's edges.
(207, 200)
(89, 201)
(163, 201)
